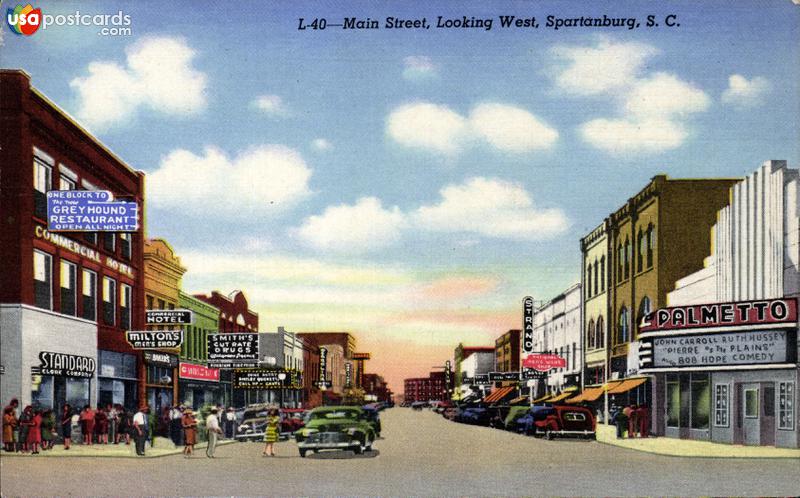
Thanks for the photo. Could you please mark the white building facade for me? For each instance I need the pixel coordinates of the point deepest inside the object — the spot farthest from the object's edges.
(473, 367)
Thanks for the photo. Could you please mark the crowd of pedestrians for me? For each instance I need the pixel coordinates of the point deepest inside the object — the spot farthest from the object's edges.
(630, 419)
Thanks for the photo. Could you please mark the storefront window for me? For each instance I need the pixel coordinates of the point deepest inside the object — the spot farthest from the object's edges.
(89, 291)
(751, 403)
(68, 288)
(42, 391)
(673, 402)
(721, 405)
(701, 401)
(786, 405)
(77, 392)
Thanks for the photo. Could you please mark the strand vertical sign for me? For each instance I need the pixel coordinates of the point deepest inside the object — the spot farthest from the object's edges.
(323, 369)
(527, 325)
(348, 375)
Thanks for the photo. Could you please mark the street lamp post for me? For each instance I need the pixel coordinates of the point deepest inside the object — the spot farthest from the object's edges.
(282, 378)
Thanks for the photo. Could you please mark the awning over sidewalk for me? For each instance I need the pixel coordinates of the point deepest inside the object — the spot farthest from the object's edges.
(499, 394)
(543, 399)
(566, 394)
(588, 395)
(522, 400)
(626, 385)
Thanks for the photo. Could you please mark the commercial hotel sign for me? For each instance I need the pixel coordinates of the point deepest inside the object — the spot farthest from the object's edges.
(87, 252)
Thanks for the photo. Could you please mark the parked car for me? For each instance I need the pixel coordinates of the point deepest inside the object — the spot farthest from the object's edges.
(441, 406)
(336, 428)
(373, 418)
(475, 416)
(292, 419)
(419, 405)
(254, 422)
(567, 421)
(526, 423)
(451, 413)
(514, 413)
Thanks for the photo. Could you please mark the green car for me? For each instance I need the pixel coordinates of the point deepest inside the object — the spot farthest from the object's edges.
(336, 428)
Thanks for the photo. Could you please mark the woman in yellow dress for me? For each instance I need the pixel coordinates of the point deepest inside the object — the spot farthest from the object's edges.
(271, 432)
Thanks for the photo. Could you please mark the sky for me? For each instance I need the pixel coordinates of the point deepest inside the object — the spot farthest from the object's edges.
(411, 186)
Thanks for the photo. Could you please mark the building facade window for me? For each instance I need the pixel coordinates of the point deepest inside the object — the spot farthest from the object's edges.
(42, 182)
(126, 245)
(89, 294)
(622, 327)
(69, 285)
(66, 183)
(42, 280)
(595, 276)
(590, 335)
(109, 241)
(722, 403)
(109, 300)
(90, 237)
(786, 405)
(600, 334)
(589, 281)
(651, 244)
(640, 250)
(645, 307)
(125, 306)
(602, 274)
(620, 257)
(627, 258)
(751, 403)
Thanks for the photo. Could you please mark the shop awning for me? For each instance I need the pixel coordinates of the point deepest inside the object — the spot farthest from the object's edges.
(543, 399)
(522, 400)
(626, 385)
(499, 394)
(588, 395)
(562, 396)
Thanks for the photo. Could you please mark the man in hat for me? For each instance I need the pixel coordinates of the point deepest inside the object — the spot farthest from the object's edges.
(175, 416)
(213, 431)
(230, 423)
(140, 428)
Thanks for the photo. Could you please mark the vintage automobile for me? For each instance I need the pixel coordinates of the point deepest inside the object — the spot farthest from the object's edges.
(526, 424)
(451, 413)
(474, 416)
(373, 417)
(567, 421)
(254, 422)
(419, 405)
(514, 413)
(336, 428)
(292, 419)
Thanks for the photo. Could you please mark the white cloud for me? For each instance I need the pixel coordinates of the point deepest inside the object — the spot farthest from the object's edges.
(438, 128)
(492, 208)
(157, 74)
(271, 105)
(419, 67)
(510, 128)
(355, 229)
(620, 136)
(664, 95)
(259, 182)
(321, 144)
(427, 126)
(744, 93)
(598, 69)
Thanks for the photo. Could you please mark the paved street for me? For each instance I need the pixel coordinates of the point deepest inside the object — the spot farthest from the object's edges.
(421, 454)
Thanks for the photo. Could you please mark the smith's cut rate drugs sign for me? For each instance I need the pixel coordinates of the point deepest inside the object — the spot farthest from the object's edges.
(90, 211)
(226, 350)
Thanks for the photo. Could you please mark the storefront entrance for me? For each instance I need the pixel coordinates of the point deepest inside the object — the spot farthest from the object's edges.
(755, 414)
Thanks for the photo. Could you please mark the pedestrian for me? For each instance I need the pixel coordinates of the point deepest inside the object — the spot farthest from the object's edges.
(9, 426)
(25, 422)
(35, 432)
(113, 423)
(175, 418)
(271, 432)
(621, 421)
(189, 424)
(230, 423)
(140, 428)
(101, 425)
(125, 425)
(212, 431)
(644, 420)
(87, 424)
(633, 421)
(48, 429)
(66, 425)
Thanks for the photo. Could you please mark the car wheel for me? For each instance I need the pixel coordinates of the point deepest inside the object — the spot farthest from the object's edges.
(315, 451)
(358, 449)
(303, 453)
(548, 434)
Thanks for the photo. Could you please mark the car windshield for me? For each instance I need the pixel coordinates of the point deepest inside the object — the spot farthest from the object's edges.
(333, 415)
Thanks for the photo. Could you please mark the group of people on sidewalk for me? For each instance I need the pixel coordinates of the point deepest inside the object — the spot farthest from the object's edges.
(33, 430)
(630, 419)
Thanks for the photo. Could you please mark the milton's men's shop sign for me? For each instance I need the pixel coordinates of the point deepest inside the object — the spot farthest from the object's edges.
(67, 365)
(161, 339)
(266, 378)
(169, 317)
(722, 334)
(90, 211)
(232, 350)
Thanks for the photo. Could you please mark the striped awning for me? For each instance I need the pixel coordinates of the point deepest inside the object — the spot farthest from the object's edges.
(589, 394)
(499, 394)
(543, 399)
(562, 396)
(522, 400)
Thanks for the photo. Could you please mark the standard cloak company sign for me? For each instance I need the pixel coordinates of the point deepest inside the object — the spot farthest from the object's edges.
(90, 211)
(67, 365)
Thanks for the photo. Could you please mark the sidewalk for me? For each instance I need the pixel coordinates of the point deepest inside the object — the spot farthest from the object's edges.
(163, 447)
(689, 448)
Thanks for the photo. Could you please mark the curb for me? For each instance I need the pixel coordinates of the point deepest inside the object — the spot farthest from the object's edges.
(678, 455)
(176, 451)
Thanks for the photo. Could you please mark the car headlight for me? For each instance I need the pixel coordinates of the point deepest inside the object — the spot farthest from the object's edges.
(351, 431)
(308, 432)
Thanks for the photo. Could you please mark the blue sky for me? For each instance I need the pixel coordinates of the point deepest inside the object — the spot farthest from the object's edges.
(413, 185)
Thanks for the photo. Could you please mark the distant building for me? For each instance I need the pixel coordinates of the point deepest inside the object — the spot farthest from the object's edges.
(430, 388)
(475, 363)
(235, 314)
(199, 385)
(507, 349)
(459, 355)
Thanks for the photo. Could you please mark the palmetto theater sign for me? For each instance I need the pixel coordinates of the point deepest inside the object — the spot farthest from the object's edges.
(720, 335)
